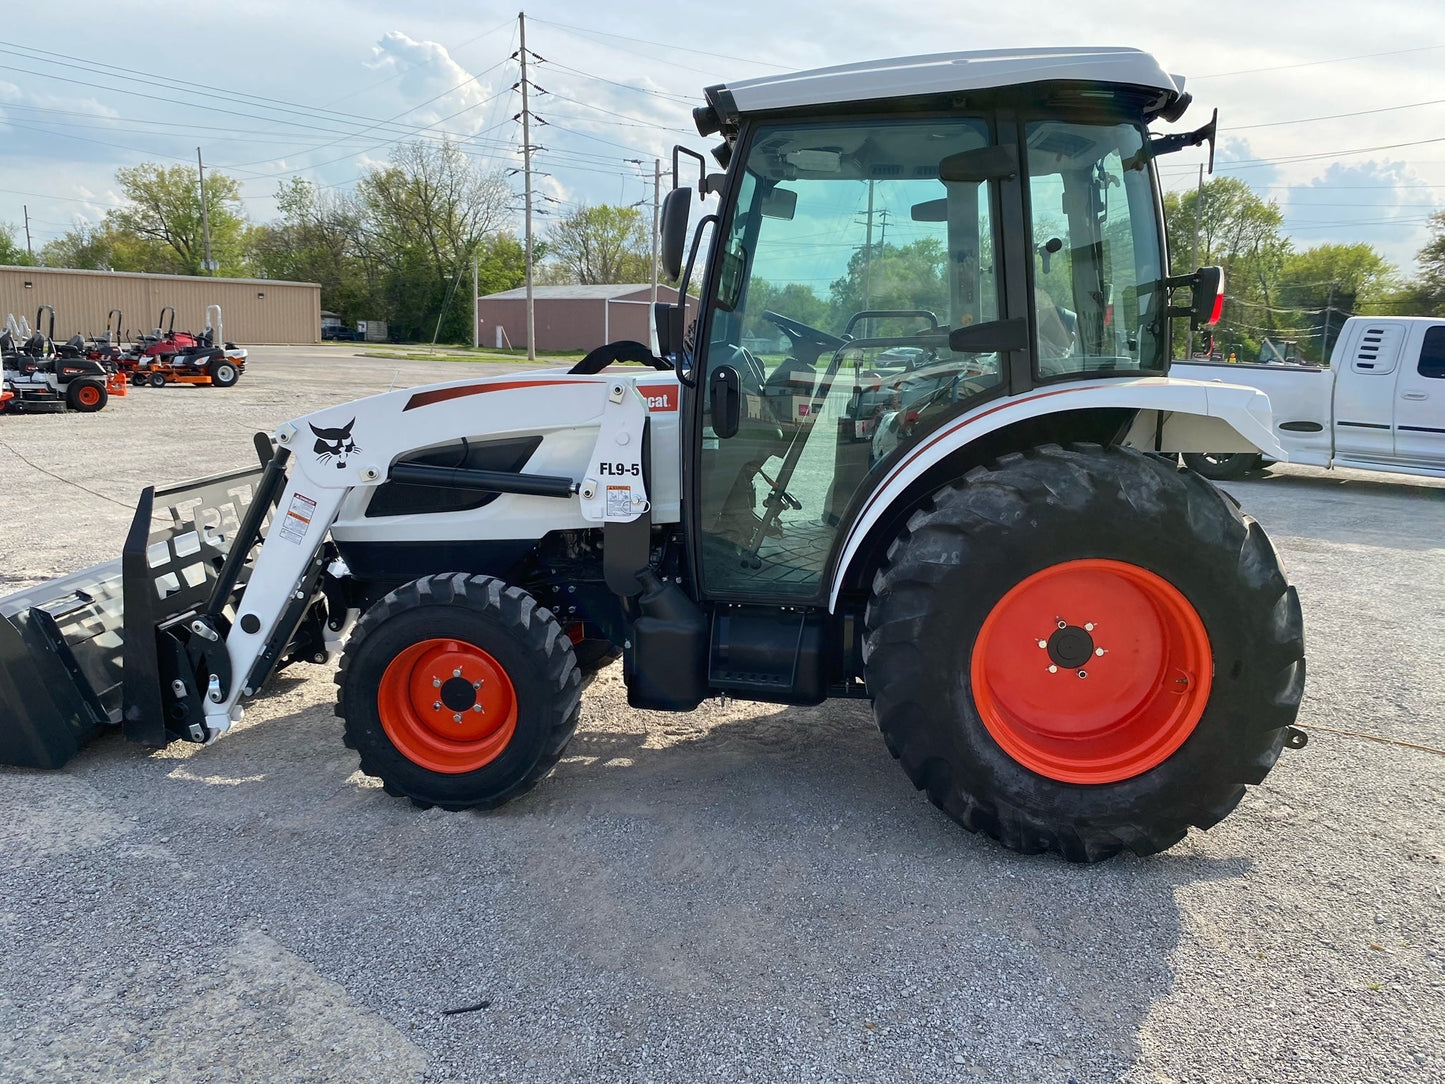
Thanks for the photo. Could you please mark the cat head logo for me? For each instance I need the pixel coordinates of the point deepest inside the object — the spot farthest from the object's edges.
(335, 444)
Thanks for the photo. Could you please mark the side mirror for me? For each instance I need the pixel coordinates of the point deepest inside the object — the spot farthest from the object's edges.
(675, 207)
(723, 388)
(1207, 305)
(993, 337)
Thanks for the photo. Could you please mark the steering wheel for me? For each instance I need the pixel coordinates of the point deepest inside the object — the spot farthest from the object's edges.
(803, 333)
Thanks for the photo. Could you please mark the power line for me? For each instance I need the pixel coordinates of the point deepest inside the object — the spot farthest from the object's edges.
(588, 33)
(1313, 63)
(1334, 116)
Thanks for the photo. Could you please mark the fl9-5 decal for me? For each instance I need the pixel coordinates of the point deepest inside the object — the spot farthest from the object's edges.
(620, 470)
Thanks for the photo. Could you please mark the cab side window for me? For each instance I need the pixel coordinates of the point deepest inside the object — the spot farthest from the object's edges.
(1432, 354)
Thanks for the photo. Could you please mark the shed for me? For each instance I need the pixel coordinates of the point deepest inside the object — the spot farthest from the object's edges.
(254, 310)
(570, 317)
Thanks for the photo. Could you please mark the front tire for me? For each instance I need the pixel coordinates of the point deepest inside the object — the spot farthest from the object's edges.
(1083, 651)
(458, 691)
(224, 374)
(157, 380)
(1223, 466)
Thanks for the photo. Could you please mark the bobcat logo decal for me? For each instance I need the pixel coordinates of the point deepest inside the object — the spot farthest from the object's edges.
(335, 444)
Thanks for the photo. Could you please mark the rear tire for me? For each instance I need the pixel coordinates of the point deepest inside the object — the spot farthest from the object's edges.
(86, 396)
(157, 380)
(1083, 776)
(527, 685)
(1223, 466)
(224, 374)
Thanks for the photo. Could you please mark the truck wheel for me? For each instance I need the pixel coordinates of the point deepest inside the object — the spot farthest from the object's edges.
(224, 374)
(458, 691)
(86, 396)
(1082, 651)
(1223, 466)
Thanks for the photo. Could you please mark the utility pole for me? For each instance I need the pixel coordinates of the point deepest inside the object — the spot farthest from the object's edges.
(205, 218)
(29, 250)
(868, 257)
(476, 304)
(527, 186)
(1325, 330)
(656, 223)
(1194, 253)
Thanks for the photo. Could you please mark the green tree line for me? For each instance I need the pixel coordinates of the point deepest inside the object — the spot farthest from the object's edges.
(400, 245)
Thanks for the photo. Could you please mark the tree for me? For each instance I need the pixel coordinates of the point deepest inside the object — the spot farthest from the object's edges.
(11, 251)
(1323, 285)
(419, 220)
(911, 276)
(1241, 232)
(163, 210)
(600, 245)
(315, 239)
(1428, 291)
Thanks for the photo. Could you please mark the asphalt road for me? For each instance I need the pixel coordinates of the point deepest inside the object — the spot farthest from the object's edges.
(746, 892)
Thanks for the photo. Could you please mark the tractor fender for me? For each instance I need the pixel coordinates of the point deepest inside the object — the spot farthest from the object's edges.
(1174, 415)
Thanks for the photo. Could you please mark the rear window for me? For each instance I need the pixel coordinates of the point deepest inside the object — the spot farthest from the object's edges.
(1432, 354)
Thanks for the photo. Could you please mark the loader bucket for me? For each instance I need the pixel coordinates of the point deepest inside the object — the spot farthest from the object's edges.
(82, 652)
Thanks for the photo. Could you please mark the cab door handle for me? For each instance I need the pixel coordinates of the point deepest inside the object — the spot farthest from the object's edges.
(1414, 395)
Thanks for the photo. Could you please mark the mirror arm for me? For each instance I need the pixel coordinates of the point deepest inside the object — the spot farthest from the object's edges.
(682, 286)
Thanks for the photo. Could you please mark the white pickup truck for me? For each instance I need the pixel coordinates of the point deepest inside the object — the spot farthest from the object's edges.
(1379, 406)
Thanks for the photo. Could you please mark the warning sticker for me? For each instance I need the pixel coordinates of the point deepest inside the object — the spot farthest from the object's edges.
(619, 502)
(297, 519)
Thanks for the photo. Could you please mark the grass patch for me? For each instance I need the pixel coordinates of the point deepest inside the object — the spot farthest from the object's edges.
(413, 353)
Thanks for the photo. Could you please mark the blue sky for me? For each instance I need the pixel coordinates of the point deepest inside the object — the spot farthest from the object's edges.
(322, 90)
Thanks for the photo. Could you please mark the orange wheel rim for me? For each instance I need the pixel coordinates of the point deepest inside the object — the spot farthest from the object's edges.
(1092, 671)
(88, 396)
(447, 706)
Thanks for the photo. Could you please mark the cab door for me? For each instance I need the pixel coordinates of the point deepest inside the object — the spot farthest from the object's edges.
(1420, 399)
(1365, 391)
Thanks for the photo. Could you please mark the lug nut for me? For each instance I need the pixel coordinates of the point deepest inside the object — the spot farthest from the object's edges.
(456, 718)
(1053, 669)
(1088, 626)
(1062, 623)
(1083, 673)
(476, 685)
(437, 706)
(476, 707)
(436, 683)
(1044, 644)
(456, 673)
(1098, 651)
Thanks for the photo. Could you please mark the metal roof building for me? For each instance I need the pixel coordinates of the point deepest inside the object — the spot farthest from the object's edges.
(570, 317)
(254, 310)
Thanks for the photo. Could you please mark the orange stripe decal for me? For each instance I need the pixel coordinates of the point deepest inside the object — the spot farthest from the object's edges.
(442, 395)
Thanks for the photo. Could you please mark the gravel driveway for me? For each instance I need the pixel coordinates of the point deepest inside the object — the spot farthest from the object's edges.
(745, 892)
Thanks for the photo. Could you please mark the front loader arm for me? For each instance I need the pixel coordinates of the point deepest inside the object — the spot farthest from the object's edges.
(282, 586)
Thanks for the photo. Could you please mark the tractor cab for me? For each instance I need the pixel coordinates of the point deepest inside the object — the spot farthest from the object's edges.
(882, 268)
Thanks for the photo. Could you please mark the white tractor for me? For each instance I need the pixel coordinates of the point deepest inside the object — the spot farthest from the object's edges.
(939, 487)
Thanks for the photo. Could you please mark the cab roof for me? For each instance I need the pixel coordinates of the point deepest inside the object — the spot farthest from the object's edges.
(947, 73)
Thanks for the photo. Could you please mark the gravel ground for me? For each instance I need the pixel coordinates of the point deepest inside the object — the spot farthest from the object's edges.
(745, 892)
